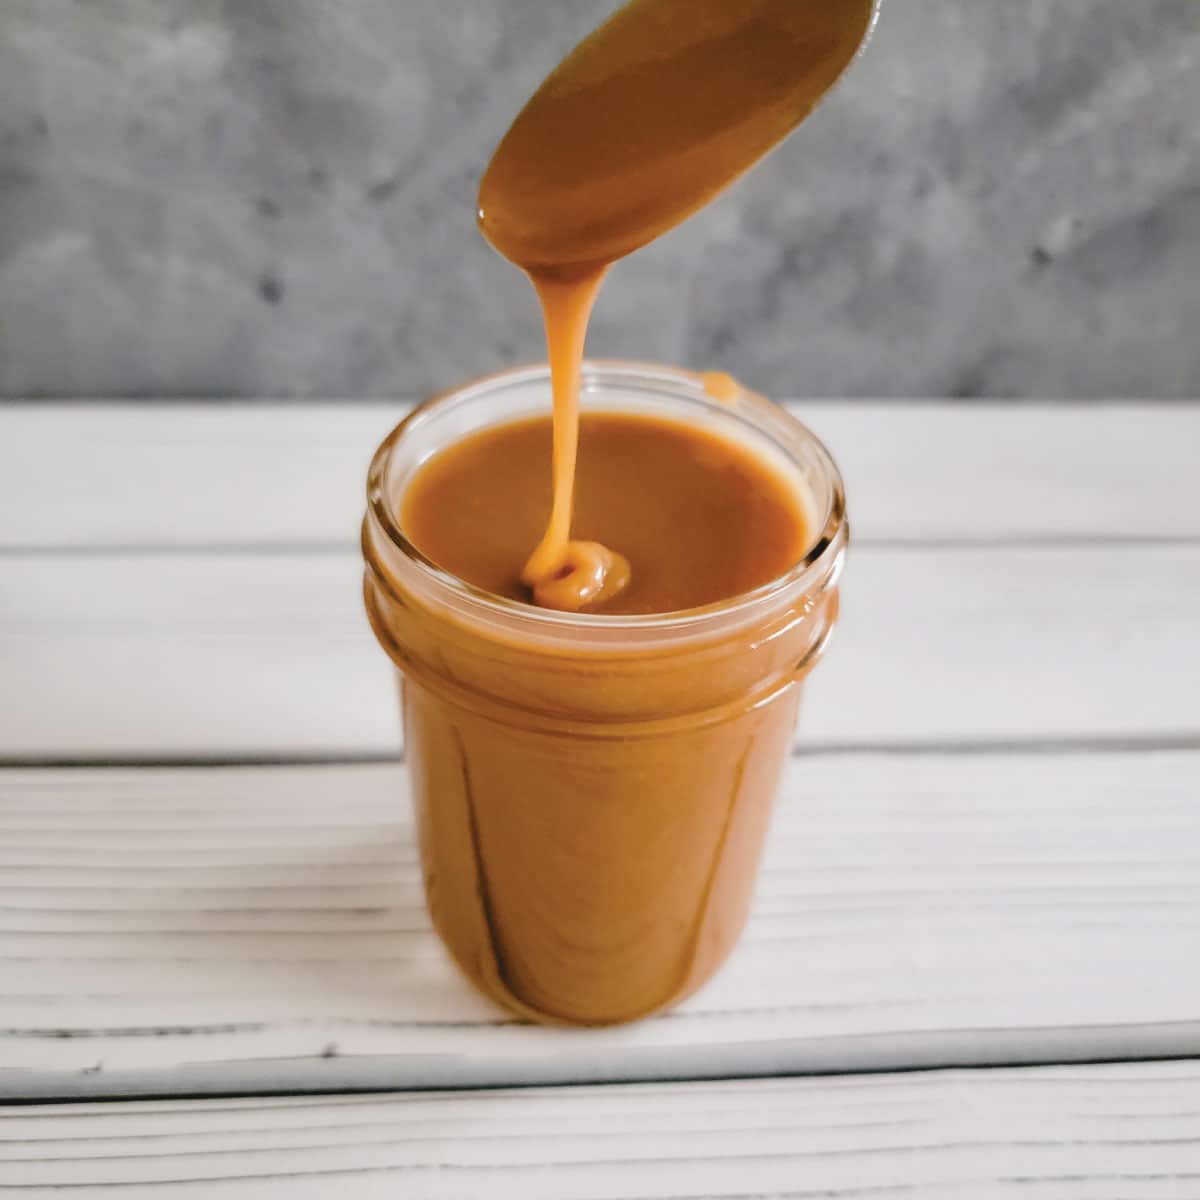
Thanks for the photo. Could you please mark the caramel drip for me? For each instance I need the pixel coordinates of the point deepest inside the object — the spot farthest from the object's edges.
(648, 119)
(566, 306)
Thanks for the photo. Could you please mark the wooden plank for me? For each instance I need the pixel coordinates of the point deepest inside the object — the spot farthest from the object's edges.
(1081, 1133)
(251, 654)
(189, 474)
(912, 909)
(186, 474)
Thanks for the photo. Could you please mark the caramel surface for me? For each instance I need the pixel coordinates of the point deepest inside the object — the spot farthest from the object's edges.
(699, 517)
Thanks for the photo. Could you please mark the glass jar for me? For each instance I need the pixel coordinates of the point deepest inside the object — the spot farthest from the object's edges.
(592, 792)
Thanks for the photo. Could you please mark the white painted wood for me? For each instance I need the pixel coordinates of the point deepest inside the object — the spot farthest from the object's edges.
(1080, 1133)
(264, 654)
(911, 909)
(189, 474)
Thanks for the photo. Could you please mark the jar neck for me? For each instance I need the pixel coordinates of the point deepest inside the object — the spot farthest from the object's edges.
(616, 387)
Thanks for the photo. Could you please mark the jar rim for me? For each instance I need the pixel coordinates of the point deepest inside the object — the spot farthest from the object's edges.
(815, 571)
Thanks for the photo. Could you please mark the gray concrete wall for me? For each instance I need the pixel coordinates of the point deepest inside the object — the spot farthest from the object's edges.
(248, 197)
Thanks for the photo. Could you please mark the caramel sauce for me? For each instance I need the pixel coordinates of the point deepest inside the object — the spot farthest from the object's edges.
(698, 516)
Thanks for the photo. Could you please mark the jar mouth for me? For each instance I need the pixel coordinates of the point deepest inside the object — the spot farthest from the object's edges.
(814, 572)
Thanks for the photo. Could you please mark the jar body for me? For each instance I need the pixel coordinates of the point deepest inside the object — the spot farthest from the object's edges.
(592, 798)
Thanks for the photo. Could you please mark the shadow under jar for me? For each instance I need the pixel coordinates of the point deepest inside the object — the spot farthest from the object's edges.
(592, 792)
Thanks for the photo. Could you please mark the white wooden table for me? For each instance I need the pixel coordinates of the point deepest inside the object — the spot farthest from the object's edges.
(974, 964)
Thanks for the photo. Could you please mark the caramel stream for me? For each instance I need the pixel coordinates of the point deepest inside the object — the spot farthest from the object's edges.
(648, 119)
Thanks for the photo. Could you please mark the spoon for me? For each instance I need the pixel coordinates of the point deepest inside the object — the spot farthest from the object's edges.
(653, 115)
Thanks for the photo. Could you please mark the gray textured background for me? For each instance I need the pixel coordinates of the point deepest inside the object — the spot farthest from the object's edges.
(275, 197)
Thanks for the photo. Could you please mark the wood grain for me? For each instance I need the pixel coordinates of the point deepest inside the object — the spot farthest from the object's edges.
(1081, 1133)
(911, 909)
(201, 475)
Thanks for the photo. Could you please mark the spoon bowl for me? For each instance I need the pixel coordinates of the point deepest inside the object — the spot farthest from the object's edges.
(654, 114)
